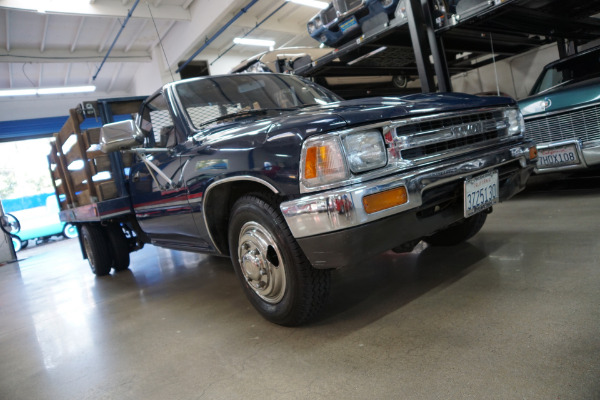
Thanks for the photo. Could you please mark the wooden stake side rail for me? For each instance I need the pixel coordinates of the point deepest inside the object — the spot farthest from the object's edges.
(84, 182)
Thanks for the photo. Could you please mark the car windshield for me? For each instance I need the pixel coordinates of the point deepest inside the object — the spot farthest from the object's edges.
(576, 69)
(214, 99)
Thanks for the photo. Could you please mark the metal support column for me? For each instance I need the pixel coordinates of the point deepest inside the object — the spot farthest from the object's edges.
(418, 36)
(436, 45)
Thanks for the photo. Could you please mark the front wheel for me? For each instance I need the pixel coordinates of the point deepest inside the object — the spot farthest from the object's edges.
(460, 232)
(276, 276)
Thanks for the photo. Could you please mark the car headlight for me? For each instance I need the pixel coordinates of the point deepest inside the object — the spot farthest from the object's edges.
(322, 161)
(365, 151)
(386, 3)
(516, 123)
(318, 23)
(401, 10)
(311, 27)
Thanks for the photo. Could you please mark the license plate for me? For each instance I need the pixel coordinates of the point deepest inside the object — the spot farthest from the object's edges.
(557, 156)
(481, 192)
(348, 24)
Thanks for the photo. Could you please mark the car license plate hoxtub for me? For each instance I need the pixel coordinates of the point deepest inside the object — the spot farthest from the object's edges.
(557, 156)
(481, 192)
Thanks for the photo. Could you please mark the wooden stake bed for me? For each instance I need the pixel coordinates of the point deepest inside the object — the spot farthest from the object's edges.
(84, 181)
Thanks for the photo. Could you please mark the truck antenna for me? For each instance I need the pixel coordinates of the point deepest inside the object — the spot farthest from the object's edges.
(160, 42)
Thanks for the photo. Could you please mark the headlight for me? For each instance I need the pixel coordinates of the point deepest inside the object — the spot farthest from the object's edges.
(322, 161)
(311, 27)
(401, 10)
(386, 3)
(516, 123)
(365, 151)
(318, 22)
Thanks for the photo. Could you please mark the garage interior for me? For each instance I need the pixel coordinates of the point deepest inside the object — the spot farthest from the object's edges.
(511, 313)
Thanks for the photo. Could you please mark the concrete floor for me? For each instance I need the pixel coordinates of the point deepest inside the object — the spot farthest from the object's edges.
(512, 314)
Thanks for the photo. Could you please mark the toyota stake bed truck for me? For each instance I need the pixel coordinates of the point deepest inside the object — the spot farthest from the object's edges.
(291, 181)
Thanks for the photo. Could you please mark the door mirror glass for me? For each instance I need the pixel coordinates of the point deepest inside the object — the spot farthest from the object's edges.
(122, 135)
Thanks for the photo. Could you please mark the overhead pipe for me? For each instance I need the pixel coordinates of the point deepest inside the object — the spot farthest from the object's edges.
(116, 38)
(250, 31)
(216, 35)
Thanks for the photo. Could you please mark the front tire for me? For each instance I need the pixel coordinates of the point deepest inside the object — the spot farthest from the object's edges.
(276, 276)
(458, 233)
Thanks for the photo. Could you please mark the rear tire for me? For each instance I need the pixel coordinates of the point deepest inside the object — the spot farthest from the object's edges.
(119, 246)
(70, 231)
(276, 276)
(17, 243)
(97, 249)
(460, 232)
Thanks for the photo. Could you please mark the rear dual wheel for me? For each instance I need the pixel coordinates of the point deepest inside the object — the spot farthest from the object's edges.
(105, 247)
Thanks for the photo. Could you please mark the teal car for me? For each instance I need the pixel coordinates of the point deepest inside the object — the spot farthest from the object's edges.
(562, 113)
(37, 218)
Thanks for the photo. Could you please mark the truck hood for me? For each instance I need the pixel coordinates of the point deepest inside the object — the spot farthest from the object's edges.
(316, 119)
(570, 96)
(322, 118)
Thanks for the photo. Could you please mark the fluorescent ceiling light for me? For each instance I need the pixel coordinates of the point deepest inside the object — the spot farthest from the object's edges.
(57, 90)
(254, 42)
(311, 3)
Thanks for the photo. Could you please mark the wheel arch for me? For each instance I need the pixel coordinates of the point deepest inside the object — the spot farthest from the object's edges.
(220, 197)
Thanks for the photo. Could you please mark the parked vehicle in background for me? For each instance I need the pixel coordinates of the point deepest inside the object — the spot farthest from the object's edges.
(291, 181)
(343, 20)
(286, 60)
(562, 113)
(38, 219)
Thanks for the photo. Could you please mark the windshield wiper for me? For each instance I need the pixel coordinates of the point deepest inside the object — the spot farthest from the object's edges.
(244, 114)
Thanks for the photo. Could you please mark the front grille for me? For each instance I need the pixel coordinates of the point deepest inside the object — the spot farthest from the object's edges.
(582, 124)
(344, 6)
(328, 15)
(449, 135)
(435, 148)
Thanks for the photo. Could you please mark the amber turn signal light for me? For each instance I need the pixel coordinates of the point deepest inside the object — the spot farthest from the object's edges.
(384, 200)
(532, 152)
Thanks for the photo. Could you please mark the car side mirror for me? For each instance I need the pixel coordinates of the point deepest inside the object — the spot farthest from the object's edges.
(122, 135)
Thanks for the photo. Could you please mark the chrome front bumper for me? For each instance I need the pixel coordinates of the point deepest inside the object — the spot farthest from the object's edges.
(341, 209)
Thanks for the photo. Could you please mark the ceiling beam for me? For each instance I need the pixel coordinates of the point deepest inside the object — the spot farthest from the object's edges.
(64, 56)
(45, 33)
(68, 73)
(107, 36)
(76, 39)
(136, 35)
(106, 8)
(114, 78)
(7, 30)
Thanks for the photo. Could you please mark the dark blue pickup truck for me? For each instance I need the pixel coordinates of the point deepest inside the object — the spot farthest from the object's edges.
(291, 181)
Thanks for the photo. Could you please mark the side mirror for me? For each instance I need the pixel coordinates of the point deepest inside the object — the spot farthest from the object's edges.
(122, 135)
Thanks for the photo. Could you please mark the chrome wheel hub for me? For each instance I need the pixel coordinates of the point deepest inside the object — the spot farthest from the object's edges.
(261, 263)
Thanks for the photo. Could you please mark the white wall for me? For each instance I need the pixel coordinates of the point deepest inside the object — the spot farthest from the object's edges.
(516, 75)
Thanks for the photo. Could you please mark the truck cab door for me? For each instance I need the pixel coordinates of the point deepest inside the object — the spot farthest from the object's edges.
(158, 192)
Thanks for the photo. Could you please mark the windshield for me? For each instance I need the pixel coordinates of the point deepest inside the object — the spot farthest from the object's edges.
(576, 69)
(207, 99)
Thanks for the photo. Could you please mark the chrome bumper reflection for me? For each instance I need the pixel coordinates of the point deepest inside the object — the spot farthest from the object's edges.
(343, 208)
